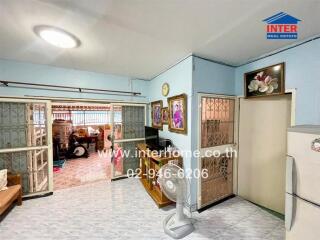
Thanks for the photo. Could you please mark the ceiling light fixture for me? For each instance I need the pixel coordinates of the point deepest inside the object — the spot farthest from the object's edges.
(57, 36)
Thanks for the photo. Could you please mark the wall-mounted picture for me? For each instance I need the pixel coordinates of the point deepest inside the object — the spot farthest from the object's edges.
(156, 114)
(178, 113)
(265, 82)
(165, 115)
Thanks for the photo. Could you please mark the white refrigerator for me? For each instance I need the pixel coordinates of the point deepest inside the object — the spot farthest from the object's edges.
(302, 212)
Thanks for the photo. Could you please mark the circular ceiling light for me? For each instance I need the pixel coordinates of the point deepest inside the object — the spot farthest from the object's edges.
(57, 36)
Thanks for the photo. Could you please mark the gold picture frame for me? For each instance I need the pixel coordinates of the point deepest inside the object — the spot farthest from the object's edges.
(268, 81)
(178, 114)
(165, 115)
(156, 114)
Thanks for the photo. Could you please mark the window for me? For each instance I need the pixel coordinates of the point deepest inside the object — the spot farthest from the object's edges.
(84, 118)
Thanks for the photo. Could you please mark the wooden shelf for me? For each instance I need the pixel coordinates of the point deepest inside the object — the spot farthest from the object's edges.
(154, 194)
(153, 162)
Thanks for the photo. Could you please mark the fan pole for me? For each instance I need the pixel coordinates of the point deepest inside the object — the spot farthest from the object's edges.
(179, 213)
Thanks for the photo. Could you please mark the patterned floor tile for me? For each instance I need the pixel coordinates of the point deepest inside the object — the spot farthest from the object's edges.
(123, 210)
(81, 171)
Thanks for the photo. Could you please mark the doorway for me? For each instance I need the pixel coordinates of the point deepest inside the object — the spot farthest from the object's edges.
(26, 139)
(262, 150)
(81, 143)
(108, 132)
(217, 134)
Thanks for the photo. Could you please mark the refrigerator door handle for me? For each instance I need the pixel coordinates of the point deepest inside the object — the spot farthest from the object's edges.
(289, 192)
(289, 211)
(289, 174)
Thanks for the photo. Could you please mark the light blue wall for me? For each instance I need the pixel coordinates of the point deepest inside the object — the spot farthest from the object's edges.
(210, 77)
(302, 72)
(36, 73)
(179, 78)
(192, 76)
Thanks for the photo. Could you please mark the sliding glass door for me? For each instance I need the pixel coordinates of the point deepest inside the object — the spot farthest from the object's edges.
(25, 143)
(128, 121)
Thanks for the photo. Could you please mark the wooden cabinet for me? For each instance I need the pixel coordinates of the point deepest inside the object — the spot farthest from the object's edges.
(150, 163)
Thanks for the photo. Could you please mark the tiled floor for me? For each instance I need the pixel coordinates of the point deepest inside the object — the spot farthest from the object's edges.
(123, 210)
(82, 170)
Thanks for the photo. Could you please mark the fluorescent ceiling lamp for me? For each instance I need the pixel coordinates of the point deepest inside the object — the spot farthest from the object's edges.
(57, 36)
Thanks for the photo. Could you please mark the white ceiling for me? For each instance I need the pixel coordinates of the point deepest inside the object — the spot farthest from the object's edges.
(141, 38)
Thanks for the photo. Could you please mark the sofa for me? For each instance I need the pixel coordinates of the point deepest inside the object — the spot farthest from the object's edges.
(12, 194)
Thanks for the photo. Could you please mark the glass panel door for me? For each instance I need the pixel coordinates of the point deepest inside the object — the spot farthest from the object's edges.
(216, 142)
(25, 143)
(127, 130)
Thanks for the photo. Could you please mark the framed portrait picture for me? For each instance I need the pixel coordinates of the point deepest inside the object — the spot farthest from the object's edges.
(266, 81)
(165, 115)
(178, 113)
(156, 114)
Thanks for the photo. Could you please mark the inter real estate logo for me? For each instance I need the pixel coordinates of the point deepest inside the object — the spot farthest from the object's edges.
(282, 26)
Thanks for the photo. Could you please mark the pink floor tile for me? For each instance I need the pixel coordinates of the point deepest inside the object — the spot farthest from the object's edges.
(82, 170)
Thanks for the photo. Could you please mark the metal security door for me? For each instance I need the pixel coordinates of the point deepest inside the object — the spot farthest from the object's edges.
(216, 144)
(26, 143)
(128, 121)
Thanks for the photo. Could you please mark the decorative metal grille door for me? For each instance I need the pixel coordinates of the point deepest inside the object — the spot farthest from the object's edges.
(128, 131)
(216, 142)
(25, 143)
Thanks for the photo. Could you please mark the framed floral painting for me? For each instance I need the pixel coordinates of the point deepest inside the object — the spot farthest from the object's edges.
(165, 115)
(265, 82)
(156, 114)
(178, 113)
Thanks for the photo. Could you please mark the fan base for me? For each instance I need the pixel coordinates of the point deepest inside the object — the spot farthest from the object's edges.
(177, 229)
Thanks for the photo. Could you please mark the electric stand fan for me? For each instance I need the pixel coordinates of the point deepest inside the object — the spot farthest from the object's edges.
(174, 185)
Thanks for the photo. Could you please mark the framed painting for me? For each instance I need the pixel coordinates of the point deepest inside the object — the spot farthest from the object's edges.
(266, 81)
(156, 114)
(178, 113)
(165, 115)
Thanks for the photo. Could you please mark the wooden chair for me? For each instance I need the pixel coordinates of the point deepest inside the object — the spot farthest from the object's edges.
(12, 194)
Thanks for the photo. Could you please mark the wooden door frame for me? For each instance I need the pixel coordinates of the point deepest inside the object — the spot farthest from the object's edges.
(292, 115)
(235, 145)
(293, 92)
